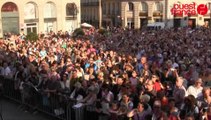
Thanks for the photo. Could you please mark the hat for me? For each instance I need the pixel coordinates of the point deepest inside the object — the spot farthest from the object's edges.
(144, 98)
(77, 85)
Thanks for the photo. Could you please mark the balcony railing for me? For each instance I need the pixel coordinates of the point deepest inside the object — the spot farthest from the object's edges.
(90, 4)
(143, 14)
(157, 14)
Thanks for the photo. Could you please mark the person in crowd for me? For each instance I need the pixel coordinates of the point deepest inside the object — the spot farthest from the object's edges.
(173, 111)
(6, 71)
(189, 107)
(150, 91)
(139, 113)
(157, 84)
(205, 100)
(179, 92)
(149, 64)
(196, 89)
(157, 112)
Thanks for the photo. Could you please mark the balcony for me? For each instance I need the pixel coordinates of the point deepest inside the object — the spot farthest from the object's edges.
(143, 14)
(90, 4)
(157, 14)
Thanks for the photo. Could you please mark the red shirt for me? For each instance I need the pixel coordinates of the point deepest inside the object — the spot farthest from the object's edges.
(157, 86)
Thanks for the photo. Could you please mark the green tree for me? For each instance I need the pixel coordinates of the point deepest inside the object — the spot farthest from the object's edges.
(78, 32)
(33, 37)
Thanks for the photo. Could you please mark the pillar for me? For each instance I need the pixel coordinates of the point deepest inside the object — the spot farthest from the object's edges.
(1, 30)
(136, 15)
(41, 18)
(150, 12)
(123, 12)
(21, 18)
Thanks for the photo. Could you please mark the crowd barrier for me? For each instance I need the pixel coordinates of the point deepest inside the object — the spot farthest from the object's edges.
(57, 105)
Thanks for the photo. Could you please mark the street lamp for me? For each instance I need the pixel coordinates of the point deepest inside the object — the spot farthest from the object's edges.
(100, 13)
(210, 14)
(119, 20)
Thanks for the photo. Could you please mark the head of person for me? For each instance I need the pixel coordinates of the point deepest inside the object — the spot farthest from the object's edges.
(190, 101)
(119, 81)
(171, 103)
(114, 105)
(125, 98)
(91, 61)
(5, 64)
(206, 92)
(144, 98)
(134, 74)
(64, 77)
(155, 78)
(142, 106)
(143, 59)
(169, 64)
(150, 85)
(157, 106)
(77, 85)
(198, 83)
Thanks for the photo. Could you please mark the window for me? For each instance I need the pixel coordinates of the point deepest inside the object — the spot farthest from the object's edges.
(30, 11)
(50, 10)
(209, 6)
(71, 9)
(109, 8)
(144, 7)
(131, 6)
(104, 8)
(158, 6)
(9, 7)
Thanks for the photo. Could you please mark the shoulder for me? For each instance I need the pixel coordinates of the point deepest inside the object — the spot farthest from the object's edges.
(190, 87)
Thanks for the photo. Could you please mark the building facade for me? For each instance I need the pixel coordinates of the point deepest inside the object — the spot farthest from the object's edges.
(39, 16)
(90, 12)
(188, 19)
(126, 13)
(138, 13)
(111, 13)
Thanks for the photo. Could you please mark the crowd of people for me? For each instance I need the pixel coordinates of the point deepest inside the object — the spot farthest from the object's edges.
(127, 74)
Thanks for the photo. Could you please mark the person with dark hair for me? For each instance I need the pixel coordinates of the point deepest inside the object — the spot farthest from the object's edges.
(189, 107)
(140, 112)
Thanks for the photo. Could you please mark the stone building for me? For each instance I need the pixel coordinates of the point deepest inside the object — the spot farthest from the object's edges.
(187, 18)
(39, 16)
(138, 13)
(90, 12)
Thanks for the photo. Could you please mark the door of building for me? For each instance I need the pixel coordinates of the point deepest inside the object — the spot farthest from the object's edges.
(177, 23)
(192, 23)
(143, 22)
(10, 18)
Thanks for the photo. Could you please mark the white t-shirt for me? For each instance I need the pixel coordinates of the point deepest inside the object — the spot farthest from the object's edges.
(196, 92)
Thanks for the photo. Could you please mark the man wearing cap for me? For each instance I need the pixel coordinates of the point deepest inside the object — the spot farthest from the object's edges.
(196, 89)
